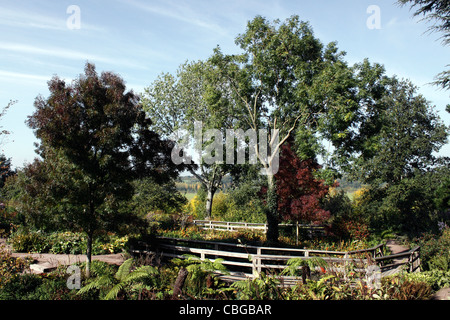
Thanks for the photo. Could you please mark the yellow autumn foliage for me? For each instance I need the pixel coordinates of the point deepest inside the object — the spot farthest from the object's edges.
(358, 196)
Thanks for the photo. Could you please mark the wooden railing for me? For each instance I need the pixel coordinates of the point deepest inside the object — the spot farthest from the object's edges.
(247, 261)
(229, 226)
(311, 230)
(392, 263)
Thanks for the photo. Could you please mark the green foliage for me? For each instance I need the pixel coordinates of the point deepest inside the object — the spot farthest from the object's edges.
(294, 264)
(202, 280)
(395, 155)
(125, 281)
(5, 171)
(321, 289)
(434, 251)
(332, 287)
(338, 203)
(20, 287)
(9, 219)
(400, 287)
(435, 278)
(178, 102)
(25, 240)
(442, 194)
(94, 141)
(240, 204)
(150, 197)
(54, 287)
(67, 242)
(260, 288)
(10, 266)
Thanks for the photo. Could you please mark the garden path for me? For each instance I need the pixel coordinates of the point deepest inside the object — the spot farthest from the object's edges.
(44, 262)
(395, 247)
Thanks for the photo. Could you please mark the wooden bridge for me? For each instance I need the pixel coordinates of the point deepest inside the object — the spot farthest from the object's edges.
(247, 261)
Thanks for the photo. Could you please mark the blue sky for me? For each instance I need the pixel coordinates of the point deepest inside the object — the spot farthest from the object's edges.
(140, 39)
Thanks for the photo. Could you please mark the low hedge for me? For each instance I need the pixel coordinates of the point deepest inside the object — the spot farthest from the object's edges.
(65, 242)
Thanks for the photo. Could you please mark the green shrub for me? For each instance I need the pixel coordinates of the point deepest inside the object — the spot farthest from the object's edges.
(54, 288)
(434, 251)
(24, 240)
(67, 243)
(402, 287)
(20, 287)
(260, 288)
(9, 266)
(110, 244)
(437, 279)
(7, 221)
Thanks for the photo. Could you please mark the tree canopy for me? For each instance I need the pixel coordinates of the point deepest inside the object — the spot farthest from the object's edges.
(94, 141)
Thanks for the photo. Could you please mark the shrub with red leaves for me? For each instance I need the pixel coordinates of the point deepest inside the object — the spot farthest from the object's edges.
(299, 192)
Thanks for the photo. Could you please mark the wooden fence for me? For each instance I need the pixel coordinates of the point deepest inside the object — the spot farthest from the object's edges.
(246, 261)
(311, 230)
(395, 262)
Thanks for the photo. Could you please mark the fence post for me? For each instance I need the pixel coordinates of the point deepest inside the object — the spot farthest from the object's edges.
(216, 247)
(296, 228)
(258, 260)
(418, 259)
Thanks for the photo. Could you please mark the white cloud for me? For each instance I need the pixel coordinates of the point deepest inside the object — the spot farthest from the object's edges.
(392, 22)
(8, 75)
(180, 12)
(66, 54)
(21, 19)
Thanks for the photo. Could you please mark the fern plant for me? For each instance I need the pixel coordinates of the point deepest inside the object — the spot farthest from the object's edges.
(294, 264)
(202, 275)
(138, 279)
(262, 287)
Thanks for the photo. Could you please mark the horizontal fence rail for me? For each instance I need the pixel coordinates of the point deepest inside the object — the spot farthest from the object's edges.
(311, 230)
(395, 262)
(248, 261)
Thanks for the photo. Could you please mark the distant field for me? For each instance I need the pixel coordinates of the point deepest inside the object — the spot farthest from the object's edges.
(189, 195)
(189, 185)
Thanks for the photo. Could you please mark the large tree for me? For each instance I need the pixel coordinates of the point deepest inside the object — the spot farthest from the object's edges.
(399, 135)
(396, 139)
(288, 83)
(94, 141)
(185, 107)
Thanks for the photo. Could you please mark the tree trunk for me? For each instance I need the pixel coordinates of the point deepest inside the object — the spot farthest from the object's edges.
(179, 283)
(89, 253)
(272, 211)
(306, 273)
(210, 190)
